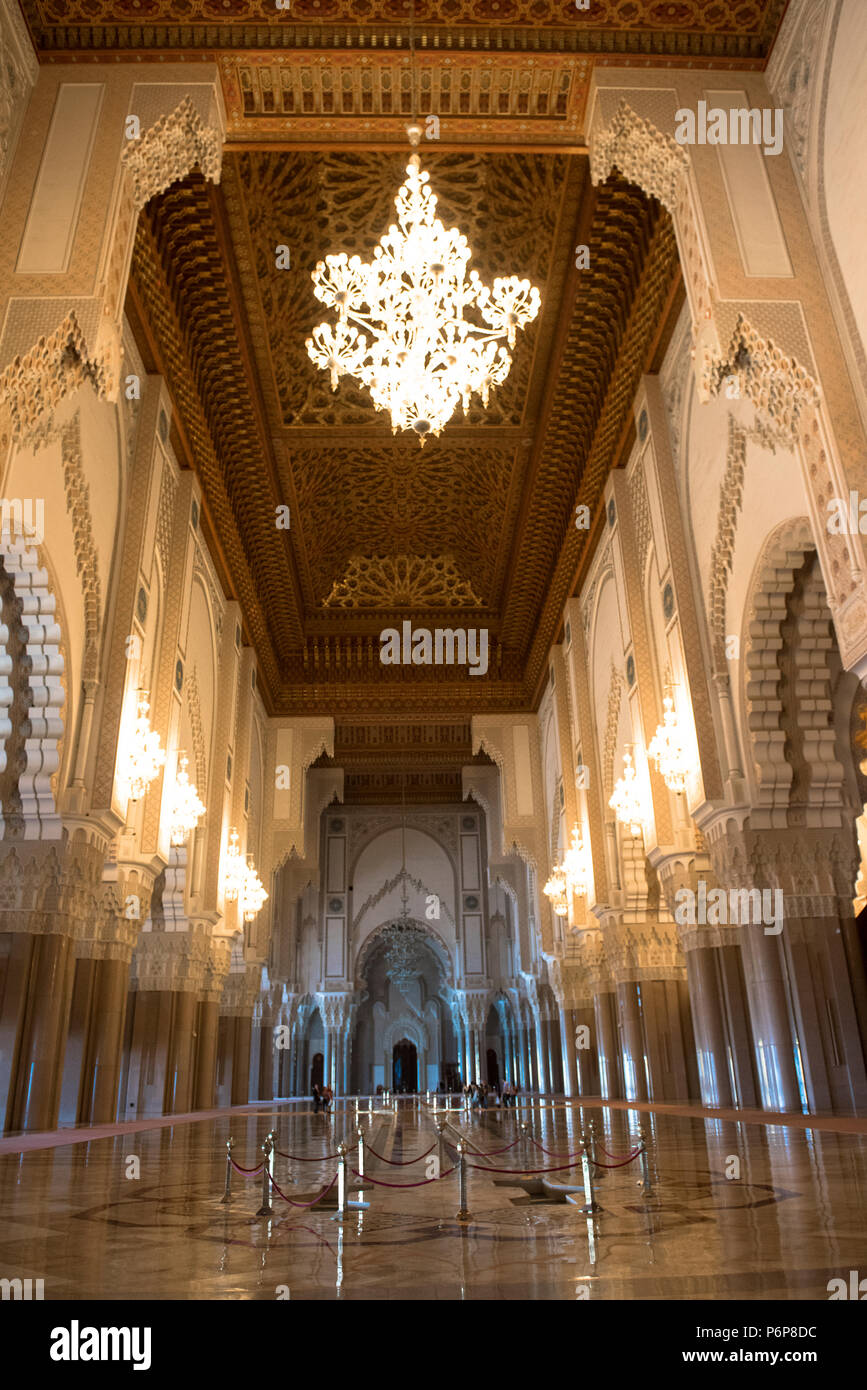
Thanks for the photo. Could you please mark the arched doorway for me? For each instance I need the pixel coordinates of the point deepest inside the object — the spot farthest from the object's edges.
(316, 1070)
(405, 1066)
(493, 1069)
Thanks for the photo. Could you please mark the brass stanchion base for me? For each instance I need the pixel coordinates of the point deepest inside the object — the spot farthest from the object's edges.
(265, 1211)
(463, 1215)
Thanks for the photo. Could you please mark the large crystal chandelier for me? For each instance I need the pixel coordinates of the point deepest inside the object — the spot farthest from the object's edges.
(572, 876)
(418, 354)
(669, 749)
(235, 870)
(557, 892)
(576, 864)
(144, 757)
(253, 894)
(626, 803)
(187, 807)
(404, 946)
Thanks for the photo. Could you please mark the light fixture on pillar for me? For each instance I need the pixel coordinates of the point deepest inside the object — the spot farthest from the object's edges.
(669, 748)
(253, 894)
(626, 803)
(235, 869)
(187, 807)
(144, 757)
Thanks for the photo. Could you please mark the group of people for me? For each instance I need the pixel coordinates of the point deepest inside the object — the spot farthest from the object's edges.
(479, 1093)
(322, 1098)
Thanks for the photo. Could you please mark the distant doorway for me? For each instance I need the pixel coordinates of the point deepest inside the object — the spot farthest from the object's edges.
(405, 1066)
(493, 1069)
(316, 1070)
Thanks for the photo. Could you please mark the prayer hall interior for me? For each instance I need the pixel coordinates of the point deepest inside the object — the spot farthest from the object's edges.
(433, 730)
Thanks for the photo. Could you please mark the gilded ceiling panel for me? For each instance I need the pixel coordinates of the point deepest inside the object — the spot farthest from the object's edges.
(396, 501)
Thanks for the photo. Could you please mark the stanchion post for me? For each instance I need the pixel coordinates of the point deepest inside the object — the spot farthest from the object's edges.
(463, 1213)
(590, 1206)
(360, 1137)
(597, 1173)
(227, 1195)
(266, 1209)
(341, 1183)
(645, 1164)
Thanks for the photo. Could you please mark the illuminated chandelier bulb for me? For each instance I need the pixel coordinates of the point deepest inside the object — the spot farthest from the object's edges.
(187, 807)
(669, 751)
(145, 757)
(626, 803)
(418, 356)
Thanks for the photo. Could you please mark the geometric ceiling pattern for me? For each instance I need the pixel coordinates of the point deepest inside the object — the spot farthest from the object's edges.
(480, 522)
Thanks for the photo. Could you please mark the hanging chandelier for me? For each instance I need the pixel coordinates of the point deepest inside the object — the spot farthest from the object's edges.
(576, 864)
(404, 944)
(235, 870)
(253, 894)
(556, 891)
(668, 749)
(187, 808)
(418, 354)
(626, 803)
(572, 876)
(144, 757)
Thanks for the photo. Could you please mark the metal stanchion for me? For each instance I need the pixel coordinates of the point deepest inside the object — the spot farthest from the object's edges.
(360, 1138)
(463, 1213)
(590, 1206)
(645, 1165)
(341, 1183)
(598, 1173)
(266, 1209)
(230, 1144)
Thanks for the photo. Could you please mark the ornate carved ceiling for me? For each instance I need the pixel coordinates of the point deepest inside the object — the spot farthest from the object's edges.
(479, 523)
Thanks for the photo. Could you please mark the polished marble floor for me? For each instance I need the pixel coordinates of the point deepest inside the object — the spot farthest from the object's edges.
(794, 1218)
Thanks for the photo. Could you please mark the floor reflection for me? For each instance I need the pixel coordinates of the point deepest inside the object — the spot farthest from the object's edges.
(735, 1211)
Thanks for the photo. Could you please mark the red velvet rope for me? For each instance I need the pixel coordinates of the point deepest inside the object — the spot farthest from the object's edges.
(622, 1164)
(623, 1156)
(401, 1162)
(248, 1172)
(378, 1182)
(488, 1153)
(554, 1153)
(323, 1193)
(296, 1158)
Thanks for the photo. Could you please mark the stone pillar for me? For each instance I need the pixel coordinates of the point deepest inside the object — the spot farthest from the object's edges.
(632, 1040)
(541, 1051)
(207, 1021)
(605, 1009)
(44, 1014)
(710, 1031)
(567, 1043)
(586, 1057)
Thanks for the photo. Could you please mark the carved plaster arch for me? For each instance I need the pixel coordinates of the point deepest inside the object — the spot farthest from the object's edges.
(782, 556)
(41, 668)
